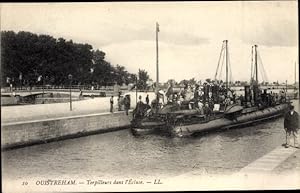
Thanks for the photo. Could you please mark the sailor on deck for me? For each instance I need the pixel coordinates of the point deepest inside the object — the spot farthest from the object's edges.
(207, 111)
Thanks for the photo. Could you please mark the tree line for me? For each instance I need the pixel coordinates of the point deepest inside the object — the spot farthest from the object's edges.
(29, 59)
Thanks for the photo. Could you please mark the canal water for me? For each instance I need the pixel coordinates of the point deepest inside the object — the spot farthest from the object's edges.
(120, 154)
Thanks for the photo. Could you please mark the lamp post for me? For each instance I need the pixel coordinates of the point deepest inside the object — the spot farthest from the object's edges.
(136, 84)
(285, 89)
(70, 78)
(43, 88)
(42, 76)
(20, 78)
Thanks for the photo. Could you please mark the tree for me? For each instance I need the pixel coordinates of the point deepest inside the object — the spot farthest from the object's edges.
(36, 56)
(143, 77)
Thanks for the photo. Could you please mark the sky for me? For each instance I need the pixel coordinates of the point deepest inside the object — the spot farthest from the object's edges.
(190, 37)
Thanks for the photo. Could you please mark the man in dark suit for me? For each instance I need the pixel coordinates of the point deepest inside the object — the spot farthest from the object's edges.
(291, 126)
(127, 103)
(111, 101)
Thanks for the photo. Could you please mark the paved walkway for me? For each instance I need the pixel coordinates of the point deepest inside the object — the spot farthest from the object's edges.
(270, 161)
(278, 169)
(284, 158)
(274, 171)
(55, 110)
(290, 165)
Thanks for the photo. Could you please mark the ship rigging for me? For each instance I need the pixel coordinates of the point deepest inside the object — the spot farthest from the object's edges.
(211, 107)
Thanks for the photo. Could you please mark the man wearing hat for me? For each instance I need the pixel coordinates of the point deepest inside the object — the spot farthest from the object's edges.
(291, 126)
(127, 103)
(205, 91)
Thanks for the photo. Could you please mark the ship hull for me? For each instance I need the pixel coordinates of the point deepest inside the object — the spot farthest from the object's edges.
(185, 130)
(224, 123)
(147, 127)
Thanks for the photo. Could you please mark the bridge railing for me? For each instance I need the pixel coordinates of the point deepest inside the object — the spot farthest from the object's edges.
(106, 88)
(63, 88)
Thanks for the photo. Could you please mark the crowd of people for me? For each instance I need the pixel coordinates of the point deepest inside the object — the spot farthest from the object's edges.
(214, 97)
(207, 98)
(210, 98)
(123, 103)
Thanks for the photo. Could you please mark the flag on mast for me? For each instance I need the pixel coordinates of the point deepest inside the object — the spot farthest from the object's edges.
(157, 27)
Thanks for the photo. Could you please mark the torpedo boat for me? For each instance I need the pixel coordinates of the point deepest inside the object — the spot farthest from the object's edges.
(186, 122)
(209, 111)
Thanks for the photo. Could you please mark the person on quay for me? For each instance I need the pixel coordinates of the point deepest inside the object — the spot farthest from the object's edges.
(111, 103)
(291, 127)
(119, 103)
(80, 94)
(127, 103)
(147, 99)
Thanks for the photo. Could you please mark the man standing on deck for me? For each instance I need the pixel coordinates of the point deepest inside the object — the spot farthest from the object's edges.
(291, 126)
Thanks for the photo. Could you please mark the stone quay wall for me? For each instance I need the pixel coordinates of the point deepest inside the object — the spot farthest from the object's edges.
(20, 134)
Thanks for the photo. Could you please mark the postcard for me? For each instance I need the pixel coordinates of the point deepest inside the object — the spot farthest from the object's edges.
(149, 96)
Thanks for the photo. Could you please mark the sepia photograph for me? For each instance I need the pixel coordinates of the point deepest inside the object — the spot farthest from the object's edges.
(150, 96)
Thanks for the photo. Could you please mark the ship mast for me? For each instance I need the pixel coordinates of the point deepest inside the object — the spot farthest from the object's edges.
(157, 69)
(295, 72)
(251, 78)
(226, 51)
(295, 87)
(255, 60)
(254, 69)
(224, 55)
(216, 74)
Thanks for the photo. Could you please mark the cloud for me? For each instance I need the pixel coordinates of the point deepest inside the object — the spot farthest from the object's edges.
(190, 36)
(147, 34)
(184, 39)
(275, 33)
(185, 62)
(270, 24)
